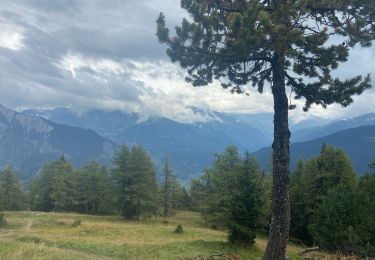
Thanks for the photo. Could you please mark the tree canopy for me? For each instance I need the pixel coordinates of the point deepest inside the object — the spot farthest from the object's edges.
(237, 42)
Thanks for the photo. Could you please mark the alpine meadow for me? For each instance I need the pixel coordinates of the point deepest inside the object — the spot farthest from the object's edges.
(187, 129)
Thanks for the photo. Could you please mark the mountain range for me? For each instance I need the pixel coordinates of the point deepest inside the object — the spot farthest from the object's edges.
(95, 134)
(190, 147)
(27, 141)
(358, 143)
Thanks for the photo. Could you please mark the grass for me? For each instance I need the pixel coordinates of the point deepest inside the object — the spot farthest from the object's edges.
(35, 235)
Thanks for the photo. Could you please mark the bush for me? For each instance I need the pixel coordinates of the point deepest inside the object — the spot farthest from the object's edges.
(179, 230)
(3, 221)
(242, 235)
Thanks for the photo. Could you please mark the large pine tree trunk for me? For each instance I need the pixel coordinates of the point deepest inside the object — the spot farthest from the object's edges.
(279, 230)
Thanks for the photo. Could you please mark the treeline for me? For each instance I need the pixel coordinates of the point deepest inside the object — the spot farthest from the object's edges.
(234, 194)
(330, 206)
(129, 188)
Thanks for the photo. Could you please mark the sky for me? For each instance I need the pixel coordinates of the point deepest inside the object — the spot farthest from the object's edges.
(102, 54)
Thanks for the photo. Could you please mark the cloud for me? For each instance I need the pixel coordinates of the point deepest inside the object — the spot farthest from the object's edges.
(104, 54)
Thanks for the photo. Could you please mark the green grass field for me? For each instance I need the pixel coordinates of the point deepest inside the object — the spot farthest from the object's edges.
(35, 235)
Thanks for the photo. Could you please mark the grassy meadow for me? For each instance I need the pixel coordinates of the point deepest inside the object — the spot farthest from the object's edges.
(36, 235)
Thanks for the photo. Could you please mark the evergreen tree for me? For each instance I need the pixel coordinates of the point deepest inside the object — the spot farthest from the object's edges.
(146, 191)
(230, 195)
(246, 203)
(333, 223)
(96, 189)
(365, 212)
(53, 189)
(123, 181)
(63, 192)
(168, 190)
(313, 181)
(135, 178)
(12, 196)
(220, 185)
(185, 200)
(299, 220)
(284, 43)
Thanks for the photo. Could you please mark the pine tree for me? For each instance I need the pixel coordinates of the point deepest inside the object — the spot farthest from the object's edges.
(145, 188)
(220, 185)
(246, 203)
(168, 190)
(185, 200)
(365, 212)
(53, 187)
(333, 222)
(299, 220)
(230, 195)
(135, 179)
(63, 192)
(12, 196)
(282, 43)
(96, 189)
(315, 179)
(123, 181)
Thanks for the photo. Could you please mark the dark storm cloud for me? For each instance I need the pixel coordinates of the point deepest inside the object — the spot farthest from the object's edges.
(101, 53)
(94, 30)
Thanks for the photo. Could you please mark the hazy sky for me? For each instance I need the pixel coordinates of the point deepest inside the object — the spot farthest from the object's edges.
(104, 54)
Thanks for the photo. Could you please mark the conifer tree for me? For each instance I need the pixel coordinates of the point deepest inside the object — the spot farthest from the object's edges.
(332, 225)
(299, 220)
(53, 187)
(123, 181)
(220, 185)
(168, 189)
(365, 212)
(185, 199)
(286, 44)
(135, 179)
(145, 188)
(316, 178)
(12, 196)
(96, 189)
(246, 203)
(63, 192)
(230, 195)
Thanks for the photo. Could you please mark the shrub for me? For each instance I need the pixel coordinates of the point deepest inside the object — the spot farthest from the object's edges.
(179, 230)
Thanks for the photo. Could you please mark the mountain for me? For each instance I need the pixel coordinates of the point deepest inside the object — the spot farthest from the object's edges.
(106, 123)
(358, 143)
(190, 146)
(326, 127)
(27, 141)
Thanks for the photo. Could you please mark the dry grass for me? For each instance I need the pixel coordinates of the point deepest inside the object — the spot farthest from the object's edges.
(33, 235)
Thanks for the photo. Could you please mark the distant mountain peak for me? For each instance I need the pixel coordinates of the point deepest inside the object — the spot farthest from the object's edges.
(27, 141)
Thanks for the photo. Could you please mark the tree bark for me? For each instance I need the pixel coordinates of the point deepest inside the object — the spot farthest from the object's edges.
(279, 229)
